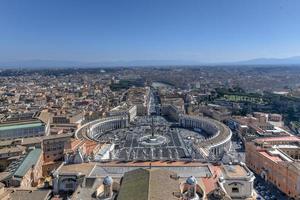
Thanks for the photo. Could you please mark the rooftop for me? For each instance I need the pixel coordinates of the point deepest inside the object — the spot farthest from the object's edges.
(234, 171)
(274, 158)
(143, 184)
(184, 171)
(278, 139)
(19, 125)
(34, 140)
(83, 168)
(30, 160)
(13, 149)
(29, 194)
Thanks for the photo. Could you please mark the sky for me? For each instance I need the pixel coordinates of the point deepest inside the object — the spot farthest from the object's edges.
(111, 30)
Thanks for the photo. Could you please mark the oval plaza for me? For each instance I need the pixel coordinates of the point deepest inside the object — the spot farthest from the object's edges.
(156, 138)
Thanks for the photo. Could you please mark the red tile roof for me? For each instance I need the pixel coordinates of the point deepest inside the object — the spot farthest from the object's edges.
(274, 158)
(277, 139)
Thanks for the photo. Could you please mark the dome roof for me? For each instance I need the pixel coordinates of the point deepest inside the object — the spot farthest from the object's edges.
(107, 180)
(191, 180)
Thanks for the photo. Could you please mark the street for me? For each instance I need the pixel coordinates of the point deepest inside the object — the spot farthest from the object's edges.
(267, 191)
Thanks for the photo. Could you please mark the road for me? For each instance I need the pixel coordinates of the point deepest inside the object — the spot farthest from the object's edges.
(237, 151)
(267, 191)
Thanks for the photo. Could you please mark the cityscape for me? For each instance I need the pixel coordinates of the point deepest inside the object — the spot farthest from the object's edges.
(97, 134)
(146, 101)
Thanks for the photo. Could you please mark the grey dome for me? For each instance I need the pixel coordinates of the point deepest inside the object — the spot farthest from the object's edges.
(191, 180)
(107, 180)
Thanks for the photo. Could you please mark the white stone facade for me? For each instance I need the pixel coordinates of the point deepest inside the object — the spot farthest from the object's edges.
(238, 181)
(219, 140)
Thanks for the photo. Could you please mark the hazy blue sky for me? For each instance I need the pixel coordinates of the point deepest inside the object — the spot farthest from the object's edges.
(108, 30)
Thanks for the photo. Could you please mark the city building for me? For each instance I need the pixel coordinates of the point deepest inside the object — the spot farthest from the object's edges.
(9, 154)
(125, 110)
(144, 184)
(277, 161)
(238, 181)
(174, 100)
(25, 172)
(140, 98)
(170, 111)
(258, 125)
(24, 194)
(22, 129)
(214, 111)
(145, 180)
(54, 147)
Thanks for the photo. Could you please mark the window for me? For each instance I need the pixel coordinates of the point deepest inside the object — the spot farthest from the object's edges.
(235, 190)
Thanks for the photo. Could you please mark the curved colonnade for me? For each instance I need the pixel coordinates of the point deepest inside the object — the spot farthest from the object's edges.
(219, 139)
(95, 128)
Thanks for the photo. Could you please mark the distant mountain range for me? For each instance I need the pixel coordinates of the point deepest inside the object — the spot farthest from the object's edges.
(272, 61)
(61, 63)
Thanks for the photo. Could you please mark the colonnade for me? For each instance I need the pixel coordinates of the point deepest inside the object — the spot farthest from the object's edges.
(108, 124)
(219, 139)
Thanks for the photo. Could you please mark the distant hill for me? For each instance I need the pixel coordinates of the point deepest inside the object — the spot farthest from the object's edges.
(272, 61)
(62, 63)
(41, 64)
